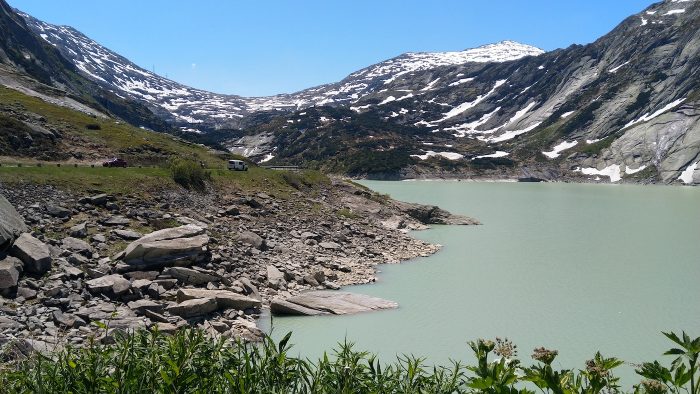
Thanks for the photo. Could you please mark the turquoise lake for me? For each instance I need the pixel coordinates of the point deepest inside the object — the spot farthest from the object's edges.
(573, 267)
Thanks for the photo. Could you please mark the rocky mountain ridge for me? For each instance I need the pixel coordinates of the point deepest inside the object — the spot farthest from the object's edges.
(623, 108)
(28, 64)
(195, 109)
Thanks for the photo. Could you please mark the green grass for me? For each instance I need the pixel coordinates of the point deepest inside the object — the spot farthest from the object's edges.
(146, 181)
(118, 181)
(190, 362)
(113, 138)
(596, 147)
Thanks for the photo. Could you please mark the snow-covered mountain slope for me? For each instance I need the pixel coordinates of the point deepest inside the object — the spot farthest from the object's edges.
(623, 107)
(29, 65)
(198, 109)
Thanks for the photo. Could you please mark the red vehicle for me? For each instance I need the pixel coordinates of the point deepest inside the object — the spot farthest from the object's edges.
(115, 162)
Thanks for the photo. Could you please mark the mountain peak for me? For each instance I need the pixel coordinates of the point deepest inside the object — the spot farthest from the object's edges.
(501, 51)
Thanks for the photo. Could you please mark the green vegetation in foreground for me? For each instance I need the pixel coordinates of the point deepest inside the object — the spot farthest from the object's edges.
(189, 362)
(144, 181)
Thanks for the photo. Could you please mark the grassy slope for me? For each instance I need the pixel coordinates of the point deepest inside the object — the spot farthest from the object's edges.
(140, 147)
(143, 181)
(113, 139)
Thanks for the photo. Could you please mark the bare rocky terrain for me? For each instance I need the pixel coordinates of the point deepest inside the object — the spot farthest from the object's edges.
(79, 266)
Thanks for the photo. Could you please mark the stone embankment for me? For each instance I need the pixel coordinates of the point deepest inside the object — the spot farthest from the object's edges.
(79, 266)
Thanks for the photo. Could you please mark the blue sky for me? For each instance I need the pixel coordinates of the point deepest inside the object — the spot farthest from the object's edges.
(263, 47)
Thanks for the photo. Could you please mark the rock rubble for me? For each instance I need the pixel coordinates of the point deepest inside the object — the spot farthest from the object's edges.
(99, 264)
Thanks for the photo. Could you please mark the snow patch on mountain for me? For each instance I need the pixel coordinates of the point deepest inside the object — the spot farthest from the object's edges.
(556, 151)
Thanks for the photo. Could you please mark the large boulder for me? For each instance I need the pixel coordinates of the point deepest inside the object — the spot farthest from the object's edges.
(252, 239)
(225, 299)
(112, 285)
(177, 246)
(10, 269)
(335, 302)
(193, 307)
(283, 307)
(33, 253)
(11, 223)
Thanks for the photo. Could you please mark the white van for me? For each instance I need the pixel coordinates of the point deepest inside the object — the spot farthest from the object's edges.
(237, 165)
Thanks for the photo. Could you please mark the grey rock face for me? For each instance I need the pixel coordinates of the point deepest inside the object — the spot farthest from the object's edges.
(127, 234)
(173, 246)
(116, 221)
(99, 199)
(329, 245)
(193, 307)
(76, 246)
(225, 299)
(191, 276)
(11, 223)
(58, 211)
(67, 320)
(250, 289)
(340, 303)
(252, 239)
(430, 214)
(141, 306)
(275, 278)
(111, 285)
(33, 253)
(283, 307)
(79, 230)
(10, 269)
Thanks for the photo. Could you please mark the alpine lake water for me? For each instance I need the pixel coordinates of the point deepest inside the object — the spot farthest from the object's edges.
(573, 267)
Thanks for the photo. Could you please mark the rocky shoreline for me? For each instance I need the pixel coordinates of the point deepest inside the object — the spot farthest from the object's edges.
(87, 265)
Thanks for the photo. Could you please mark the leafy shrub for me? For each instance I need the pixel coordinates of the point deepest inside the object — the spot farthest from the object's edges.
(191, 362)
(189, 174)
(93, 126)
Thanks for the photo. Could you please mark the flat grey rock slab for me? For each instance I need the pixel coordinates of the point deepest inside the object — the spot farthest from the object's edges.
(116, 221)
(224, 298)
(127, 234)
(194, 307)
(191, 276)
(341, 303)
(281, 307)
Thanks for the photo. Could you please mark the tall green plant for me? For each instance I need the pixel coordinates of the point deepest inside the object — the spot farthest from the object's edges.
(189, 174)
(681, 376)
